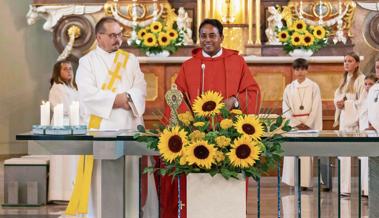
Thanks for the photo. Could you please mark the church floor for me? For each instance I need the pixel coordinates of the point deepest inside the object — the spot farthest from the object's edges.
(329, 203)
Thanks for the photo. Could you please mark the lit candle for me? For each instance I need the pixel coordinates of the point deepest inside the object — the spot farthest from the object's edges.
(301, 9)
(58, 115)
(74, 113)
(45, 113)
(339, 7)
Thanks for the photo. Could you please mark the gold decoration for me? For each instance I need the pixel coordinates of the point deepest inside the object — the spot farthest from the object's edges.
(174, 98)
(74, 31)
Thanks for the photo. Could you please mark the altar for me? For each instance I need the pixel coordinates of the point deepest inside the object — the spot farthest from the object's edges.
(109, 148)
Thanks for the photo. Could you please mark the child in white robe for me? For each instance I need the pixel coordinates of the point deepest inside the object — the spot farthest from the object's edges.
(373, 102)
(302, 105)
(62, 167)
(348, 99)
(370, 80)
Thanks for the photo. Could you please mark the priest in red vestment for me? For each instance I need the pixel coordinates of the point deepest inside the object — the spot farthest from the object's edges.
(210, 68)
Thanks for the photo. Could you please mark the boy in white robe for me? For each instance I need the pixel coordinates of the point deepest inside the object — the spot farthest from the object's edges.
(370, 80)
(348, 100)
(302, 105)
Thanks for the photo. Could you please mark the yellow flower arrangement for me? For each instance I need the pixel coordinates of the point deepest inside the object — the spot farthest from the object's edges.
(158, 37)
(299, 35)
(213, 140)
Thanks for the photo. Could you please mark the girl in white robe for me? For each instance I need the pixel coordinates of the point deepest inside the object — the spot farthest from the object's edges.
(363, 125)
(303, 107)
(348, 100)
(62, 167)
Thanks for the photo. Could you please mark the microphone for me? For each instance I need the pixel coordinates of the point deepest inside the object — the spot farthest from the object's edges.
(202, 79)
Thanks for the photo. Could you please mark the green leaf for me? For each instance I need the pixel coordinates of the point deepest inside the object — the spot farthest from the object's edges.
(279, 121)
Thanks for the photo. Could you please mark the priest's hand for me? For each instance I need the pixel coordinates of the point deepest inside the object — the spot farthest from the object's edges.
(121, 101)
(230, 102)
(302, 126)
(341, 104)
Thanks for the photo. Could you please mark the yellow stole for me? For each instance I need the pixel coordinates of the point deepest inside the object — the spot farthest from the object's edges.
(79, 198)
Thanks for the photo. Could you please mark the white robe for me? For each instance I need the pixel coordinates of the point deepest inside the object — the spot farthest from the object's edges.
(306, 94)
(373, 107)
(62, 167)
(91, 74)
(349, 121)
(363, 124)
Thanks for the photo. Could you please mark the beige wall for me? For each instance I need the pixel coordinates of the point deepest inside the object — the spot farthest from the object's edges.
(27, 55)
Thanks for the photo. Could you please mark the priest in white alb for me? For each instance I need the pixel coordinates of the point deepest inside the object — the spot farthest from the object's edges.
(303, 107)
(113, 89)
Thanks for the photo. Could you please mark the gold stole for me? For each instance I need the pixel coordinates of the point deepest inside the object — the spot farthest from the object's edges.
(79, 199)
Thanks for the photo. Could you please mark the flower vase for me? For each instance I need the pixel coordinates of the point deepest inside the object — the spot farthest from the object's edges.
(301, 53)
(163, 54)
(209, 196)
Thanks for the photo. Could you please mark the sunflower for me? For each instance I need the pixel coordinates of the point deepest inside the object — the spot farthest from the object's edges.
(197, 135)
(319, 32)
(163, 39)
(219, 157)
(249, 125)
(222, 141)
(296, 39)
(199, 124)
(173, 34)
(201, 153)
(308, 39)
(141, 33)
(283, 36)
(171, 143)
(236, 111)
(186, 118)
(299, 25)
(226, 123)
(208, 104)
(244, 152)
(155, 27)
(149, 40)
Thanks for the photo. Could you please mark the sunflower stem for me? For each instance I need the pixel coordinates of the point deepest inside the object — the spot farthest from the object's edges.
(213, 123)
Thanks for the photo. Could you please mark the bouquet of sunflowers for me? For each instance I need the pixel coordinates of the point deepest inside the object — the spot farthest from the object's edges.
(299, 35)
(157, 38)
(211, 139)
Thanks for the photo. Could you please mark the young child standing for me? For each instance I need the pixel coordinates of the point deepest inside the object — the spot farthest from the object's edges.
(348, 100)
(302, 105)
(370, 80)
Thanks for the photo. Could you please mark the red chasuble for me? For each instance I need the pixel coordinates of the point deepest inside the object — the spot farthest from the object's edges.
(227, 74)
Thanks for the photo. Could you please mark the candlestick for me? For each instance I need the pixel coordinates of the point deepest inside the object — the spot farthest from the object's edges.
(258, 22)
(45, 113)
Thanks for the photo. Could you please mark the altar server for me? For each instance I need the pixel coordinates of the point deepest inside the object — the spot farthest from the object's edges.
(373, 102)
(113, 88)
(62, 168)
(363, 125)
(348, 99)
(211, 67)
(302, 105)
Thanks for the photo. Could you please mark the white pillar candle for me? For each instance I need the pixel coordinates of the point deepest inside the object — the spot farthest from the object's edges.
(58, 115)
(74, 113)
(45, 113)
